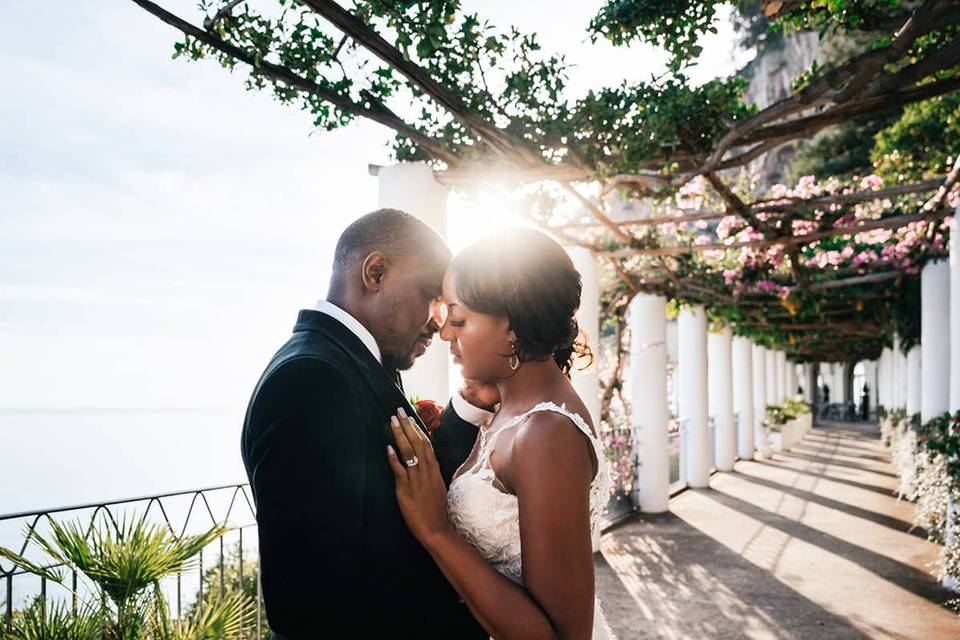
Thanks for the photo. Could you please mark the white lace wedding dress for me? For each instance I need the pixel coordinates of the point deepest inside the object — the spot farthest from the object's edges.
(489, 518)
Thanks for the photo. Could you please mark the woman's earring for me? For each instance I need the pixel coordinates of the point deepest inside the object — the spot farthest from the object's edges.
(514, 361)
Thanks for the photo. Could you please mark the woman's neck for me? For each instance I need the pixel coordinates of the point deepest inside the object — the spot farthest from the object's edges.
(521, 390)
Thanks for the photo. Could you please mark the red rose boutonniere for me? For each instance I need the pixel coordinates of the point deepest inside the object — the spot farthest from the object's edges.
(429, 412)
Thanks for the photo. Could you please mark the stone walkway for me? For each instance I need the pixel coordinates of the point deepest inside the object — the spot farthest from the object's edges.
(809, 544)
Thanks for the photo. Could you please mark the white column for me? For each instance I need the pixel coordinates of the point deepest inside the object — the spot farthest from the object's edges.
(840, 381)
(955, 312)
(770, 368)
(720, 397)
(587, 381)
(899, 374)
(895, 373)
(759, 357)
(885, 379)
(692, 388)
(879, 377)
(808, 381)
(826, 372)
(790, 386)
(950, 582)
(903, 377)
(913, 381)
(935, 339)
(648, 388)
(781, 376)
(411, 187)
(743, 396)
(870, 375)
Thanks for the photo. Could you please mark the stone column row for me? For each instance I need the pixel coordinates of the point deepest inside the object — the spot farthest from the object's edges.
(718, 375)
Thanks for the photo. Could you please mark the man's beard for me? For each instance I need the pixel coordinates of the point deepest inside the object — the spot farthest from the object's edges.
(392, 362)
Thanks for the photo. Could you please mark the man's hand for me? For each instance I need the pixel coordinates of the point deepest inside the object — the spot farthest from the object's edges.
(482, 395)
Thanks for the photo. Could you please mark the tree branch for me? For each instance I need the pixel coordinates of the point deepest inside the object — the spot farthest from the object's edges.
(870, 278)
(363, 35)
(290, 78)
(809, 125)
(873, 62)
(599, 214)
(225, 10)
(855, 74)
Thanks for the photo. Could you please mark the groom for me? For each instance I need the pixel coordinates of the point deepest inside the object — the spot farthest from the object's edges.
(336, 557)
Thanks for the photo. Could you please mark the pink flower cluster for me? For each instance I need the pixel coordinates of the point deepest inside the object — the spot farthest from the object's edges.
(858, 252)
(874, 236)
(692, 195)
(726, 226)
(804, 227)
(769, 286)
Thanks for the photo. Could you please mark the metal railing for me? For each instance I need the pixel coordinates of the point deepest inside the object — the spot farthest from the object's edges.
(182, 512)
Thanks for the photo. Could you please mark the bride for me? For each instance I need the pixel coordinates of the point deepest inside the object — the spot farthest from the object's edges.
(514, 534)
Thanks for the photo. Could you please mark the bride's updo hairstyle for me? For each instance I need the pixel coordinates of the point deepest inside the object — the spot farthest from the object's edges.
(527, 277)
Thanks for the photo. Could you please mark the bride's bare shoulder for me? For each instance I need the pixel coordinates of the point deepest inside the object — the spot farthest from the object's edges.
(548, 439)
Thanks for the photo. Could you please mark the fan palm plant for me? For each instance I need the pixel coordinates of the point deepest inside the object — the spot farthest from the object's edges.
(55, 621)
(126, 561)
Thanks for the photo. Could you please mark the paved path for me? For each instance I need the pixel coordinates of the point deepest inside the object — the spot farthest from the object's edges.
(809, 544)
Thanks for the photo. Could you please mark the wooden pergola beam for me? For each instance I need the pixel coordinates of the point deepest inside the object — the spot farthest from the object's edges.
(646, 222)
(892, 222)
(799, 204)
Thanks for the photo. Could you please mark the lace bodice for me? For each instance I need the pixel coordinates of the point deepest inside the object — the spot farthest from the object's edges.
(490, 518)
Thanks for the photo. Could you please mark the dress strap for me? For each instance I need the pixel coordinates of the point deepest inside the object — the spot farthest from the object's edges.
(487, 442)
(574, 417)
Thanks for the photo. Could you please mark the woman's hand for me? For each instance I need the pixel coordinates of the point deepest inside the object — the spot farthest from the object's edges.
(484, 395)
(421, 493)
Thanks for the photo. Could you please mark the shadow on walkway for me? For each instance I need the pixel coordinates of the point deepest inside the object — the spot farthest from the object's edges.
(888, 521)
(662, 578)
(914, 580)
(850, 483)
(840, 463)
(810, 543)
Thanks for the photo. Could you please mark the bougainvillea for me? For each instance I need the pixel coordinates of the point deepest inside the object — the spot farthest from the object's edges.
(752, 283)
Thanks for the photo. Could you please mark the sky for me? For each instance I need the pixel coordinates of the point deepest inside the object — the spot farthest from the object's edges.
(160, 226)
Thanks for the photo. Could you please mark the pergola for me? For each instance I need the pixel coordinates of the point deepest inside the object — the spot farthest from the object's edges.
(821, 272)
(856, 305)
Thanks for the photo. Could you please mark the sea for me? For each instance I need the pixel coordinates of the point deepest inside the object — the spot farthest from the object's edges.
(51, 459)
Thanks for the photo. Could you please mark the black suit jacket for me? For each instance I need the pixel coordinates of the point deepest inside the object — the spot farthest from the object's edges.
(452, 442)
(336, 558)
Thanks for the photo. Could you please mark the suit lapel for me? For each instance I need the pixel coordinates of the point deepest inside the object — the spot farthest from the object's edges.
(386, 389)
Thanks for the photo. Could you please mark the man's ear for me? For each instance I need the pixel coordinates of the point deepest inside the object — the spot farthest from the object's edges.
(374, 270)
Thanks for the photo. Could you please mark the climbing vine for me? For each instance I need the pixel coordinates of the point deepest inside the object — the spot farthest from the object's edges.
(473, 98)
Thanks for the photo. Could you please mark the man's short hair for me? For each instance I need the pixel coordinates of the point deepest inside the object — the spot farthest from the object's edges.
(391, 231)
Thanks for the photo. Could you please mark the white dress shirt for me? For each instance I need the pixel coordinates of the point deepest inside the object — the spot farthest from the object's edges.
(347, 320)
(474, 415)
